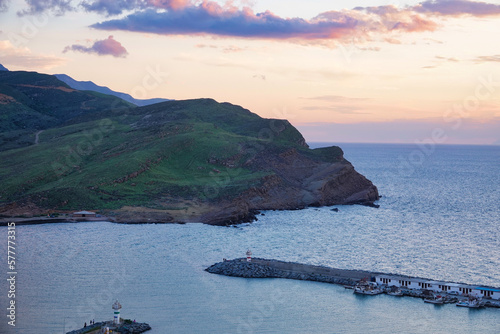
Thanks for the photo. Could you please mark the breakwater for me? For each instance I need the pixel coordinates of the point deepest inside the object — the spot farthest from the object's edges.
(263, 268)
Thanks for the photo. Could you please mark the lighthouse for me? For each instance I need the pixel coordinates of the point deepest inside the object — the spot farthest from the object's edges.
(249, 255)
(116, 307)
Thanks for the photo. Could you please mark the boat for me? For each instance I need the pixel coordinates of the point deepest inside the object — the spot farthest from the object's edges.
(395, 292)
(471, 303)
(438, 300)
(367, 288)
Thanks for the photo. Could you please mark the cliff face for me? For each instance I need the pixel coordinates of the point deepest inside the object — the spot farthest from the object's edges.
(298, 181)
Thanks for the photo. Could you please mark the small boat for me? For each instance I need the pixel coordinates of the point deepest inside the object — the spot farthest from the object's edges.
(367, 288)
(438, 300)
(471, 303)
(395, 292)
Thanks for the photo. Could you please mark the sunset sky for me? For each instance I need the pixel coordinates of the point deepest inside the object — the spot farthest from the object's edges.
(341, 71)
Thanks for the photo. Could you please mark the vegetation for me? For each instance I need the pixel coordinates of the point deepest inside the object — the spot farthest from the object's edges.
(99, 153)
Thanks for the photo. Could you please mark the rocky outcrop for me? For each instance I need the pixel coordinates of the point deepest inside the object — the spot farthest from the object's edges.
(127, 328)
(133, 328)
(296, 181)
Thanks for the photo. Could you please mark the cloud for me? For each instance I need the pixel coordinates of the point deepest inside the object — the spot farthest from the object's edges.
(449, 59)
(260, 77)
(210, 18)
(458, 8)
(104, 47)
(345, 110)
(4, 5)
(337, 98)
(23, 58)
(487, 59)
(110, 7)
(205, 17)
(226, 49)
(57, 7)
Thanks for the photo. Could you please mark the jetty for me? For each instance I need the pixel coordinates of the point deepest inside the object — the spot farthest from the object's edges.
(409, 286)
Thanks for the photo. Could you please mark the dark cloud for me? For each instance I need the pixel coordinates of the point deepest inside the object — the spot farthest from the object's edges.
(458, 8)
(104, 47)
(110, 7)
(4, 5)
(210, 18)
(57, 7)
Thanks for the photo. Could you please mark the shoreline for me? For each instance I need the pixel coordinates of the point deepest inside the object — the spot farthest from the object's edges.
(52, 220)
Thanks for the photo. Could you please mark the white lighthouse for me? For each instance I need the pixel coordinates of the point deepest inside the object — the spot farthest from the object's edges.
(249, 255)
(116, 307)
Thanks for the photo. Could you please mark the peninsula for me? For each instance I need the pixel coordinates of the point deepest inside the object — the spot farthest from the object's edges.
(198, 160)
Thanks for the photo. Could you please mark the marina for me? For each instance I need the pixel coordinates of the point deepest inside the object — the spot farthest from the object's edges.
(363, 282)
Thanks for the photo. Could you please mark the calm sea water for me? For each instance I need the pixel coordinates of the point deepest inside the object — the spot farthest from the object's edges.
(439, 218)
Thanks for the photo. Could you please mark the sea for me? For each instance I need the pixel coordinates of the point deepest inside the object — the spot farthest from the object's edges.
(439, 218)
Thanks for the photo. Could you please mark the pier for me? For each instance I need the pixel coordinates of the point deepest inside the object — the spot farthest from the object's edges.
(409, 286)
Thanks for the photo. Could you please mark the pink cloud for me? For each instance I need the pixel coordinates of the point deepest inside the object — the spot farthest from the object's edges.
(104, 47)
(458, 8)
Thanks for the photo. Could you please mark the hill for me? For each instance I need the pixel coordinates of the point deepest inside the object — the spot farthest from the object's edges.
(31, 102)
(3, 68)
(89, 85)
(176, 161)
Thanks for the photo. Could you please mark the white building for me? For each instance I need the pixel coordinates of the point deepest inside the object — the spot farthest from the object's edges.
(480, 291)
(436, 286)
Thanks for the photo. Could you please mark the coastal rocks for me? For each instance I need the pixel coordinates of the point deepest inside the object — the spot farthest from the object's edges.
(297, 182)
(128, 327)
(133, 328)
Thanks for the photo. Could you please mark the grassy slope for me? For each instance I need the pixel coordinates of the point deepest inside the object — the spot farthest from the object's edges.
(32, 101)
(149, 156)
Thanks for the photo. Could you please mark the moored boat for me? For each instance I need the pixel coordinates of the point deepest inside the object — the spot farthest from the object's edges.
(438, 300)
(394, 291)
(367, 288)
(471, 303)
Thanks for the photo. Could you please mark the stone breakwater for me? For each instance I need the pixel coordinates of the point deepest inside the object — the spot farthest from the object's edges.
(262, 268)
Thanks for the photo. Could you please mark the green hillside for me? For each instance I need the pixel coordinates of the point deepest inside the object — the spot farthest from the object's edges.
(149, 156)
(31, 101)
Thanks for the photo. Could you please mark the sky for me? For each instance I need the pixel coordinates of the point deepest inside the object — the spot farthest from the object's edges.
(384, 71)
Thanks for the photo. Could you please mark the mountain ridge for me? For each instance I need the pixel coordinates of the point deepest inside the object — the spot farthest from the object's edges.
(89, 85)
